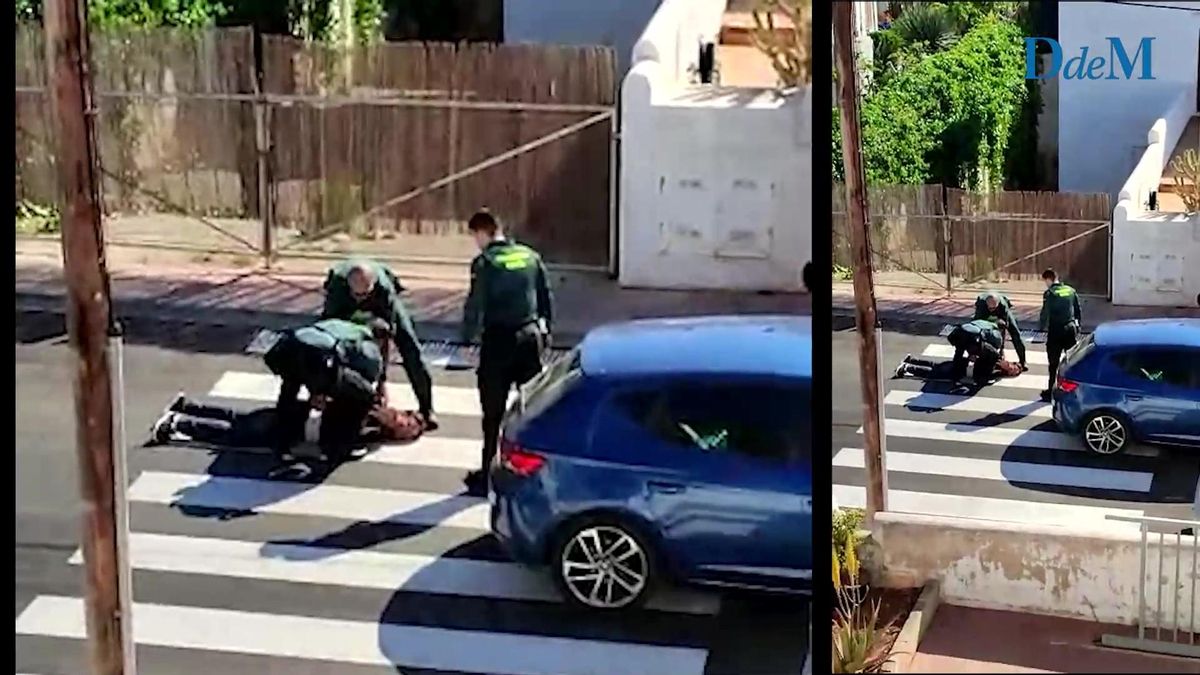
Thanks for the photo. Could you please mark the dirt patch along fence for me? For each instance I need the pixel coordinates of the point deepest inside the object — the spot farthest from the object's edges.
(929, 236)
(377, 143)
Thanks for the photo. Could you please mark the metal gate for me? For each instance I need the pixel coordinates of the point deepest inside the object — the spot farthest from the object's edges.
(1167, 593)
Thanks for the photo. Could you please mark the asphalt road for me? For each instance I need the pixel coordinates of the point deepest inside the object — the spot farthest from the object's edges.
(995, 455)
(383, 567)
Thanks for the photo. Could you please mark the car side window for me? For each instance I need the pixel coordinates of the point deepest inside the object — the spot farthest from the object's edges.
(768, 422)
(1171, 368)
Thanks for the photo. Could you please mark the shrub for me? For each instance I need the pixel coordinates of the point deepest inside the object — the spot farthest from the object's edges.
(947, 119)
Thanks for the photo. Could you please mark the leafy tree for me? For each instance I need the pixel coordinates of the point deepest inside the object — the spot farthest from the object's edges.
(947, 118)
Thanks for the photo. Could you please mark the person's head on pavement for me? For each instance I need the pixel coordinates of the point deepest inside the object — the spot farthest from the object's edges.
(362, 279)
(399, 425)
(485, 228)
(1049, 276)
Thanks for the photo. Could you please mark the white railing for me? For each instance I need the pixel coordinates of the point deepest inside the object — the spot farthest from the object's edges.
(1174, 632)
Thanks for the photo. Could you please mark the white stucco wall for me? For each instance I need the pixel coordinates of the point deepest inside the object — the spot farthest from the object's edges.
(615, 23)
(1103, 123)
(715, 183)
(1040, 569)
(1156, 258)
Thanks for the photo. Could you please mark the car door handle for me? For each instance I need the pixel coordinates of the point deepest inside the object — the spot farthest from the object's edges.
(1132, 397)
(666, 487)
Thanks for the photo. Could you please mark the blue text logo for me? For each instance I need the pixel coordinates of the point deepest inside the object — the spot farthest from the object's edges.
(1118, 65)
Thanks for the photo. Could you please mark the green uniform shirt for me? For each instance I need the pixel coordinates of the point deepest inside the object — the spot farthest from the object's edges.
(987, 330)
(1003, 312)
(509, 289)
(1060, 307)
(350, 343)
(383, 303)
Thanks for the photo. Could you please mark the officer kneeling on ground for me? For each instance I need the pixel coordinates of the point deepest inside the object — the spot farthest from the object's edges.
(510, 300)
(341, 366)
(359, 290)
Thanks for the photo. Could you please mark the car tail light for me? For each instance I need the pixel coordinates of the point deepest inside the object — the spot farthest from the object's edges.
(518, 460)
(1067, 386)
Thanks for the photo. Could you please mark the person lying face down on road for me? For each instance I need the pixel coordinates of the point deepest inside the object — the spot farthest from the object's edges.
(979, 346)
(187, 420)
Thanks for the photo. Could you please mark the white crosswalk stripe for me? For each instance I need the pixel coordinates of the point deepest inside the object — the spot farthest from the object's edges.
(382, 566)
(995, 455)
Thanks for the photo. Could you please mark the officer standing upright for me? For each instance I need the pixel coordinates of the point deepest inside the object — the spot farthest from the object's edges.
(510, 301)
(1060, 320)
(997, 305)
(359, 290)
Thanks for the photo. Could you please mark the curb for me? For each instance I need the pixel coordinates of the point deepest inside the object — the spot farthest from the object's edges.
(891, 318)
(914, 629)
(429, 331)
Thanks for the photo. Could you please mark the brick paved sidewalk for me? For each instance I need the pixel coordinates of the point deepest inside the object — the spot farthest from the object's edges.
(203, 293)
(894, 304)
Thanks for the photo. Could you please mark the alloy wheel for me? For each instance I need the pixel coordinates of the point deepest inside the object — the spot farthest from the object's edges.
(1105, 434)
(604, 567)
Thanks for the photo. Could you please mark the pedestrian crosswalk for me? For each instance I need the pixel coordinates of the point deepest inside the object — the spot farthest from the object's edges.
(385, 566)
(996, 455)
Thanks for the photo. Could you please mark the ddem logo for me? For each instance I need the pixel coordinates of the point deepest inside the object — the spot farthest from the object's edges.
(1117, 66)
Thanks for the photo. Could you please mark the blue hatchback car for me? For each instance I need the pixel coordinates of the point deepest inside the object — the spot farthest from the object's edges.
(673, 450)
(1132, 381)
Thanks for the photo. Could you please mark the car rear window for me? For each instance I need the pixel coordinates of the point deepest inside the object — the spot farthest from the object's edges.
(542, 391)
(1079, 351)
(1169, 367)
(765, 421)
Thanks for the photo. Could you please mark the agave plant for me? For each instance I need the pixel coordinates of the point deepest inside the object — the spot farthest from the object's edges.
(926, 28)
(858, 643)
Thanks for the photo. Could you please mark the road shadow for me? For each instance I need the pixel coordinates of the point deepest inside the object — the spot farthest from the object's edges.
(205, 499)
(36, 327)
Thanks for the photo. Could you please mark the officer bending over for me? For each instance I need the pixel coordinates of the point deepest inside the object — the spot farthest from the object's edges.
(510, 301)
(358, 290)
(992, 304)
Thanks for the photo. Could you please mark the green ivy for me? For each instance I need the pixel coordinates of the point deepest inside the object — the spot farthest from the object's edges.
(948, 118)
(152, 13)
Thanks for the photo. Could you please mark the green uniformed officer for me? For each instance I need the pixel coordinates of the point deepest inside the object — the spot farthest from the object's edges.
(980, 338)
(510, 302)
(1060, 320)
(333, 359)
(359, 289)
(996, 304)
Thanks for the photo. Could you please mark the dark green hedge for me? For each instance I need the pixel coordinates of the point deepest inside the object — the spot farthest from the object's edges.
(947, 119)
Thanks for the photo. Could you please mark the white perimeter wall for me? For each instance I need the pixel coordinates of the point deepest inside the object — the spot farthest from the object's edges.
(1156, 258)
(716, 183)
(1103, 123)
(615, 23)
(1025, 568)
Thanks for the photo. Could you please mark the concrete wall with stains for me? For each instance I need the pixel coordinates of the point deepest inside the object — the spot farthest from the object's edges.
(1038, 569)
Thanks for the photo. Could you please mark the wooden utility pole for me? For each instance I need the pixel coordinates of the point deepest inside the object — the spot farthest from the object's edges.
(860, 247)
(88, 325)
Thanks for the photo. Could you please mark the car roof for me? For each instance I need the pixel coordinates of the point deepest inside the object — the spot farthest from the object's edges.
(756, 345)
(1149, 333)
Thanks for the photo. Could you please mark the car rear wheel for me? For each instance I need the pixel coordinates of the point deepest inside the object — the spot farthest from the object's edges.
(1106, 433)
(603, 564)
